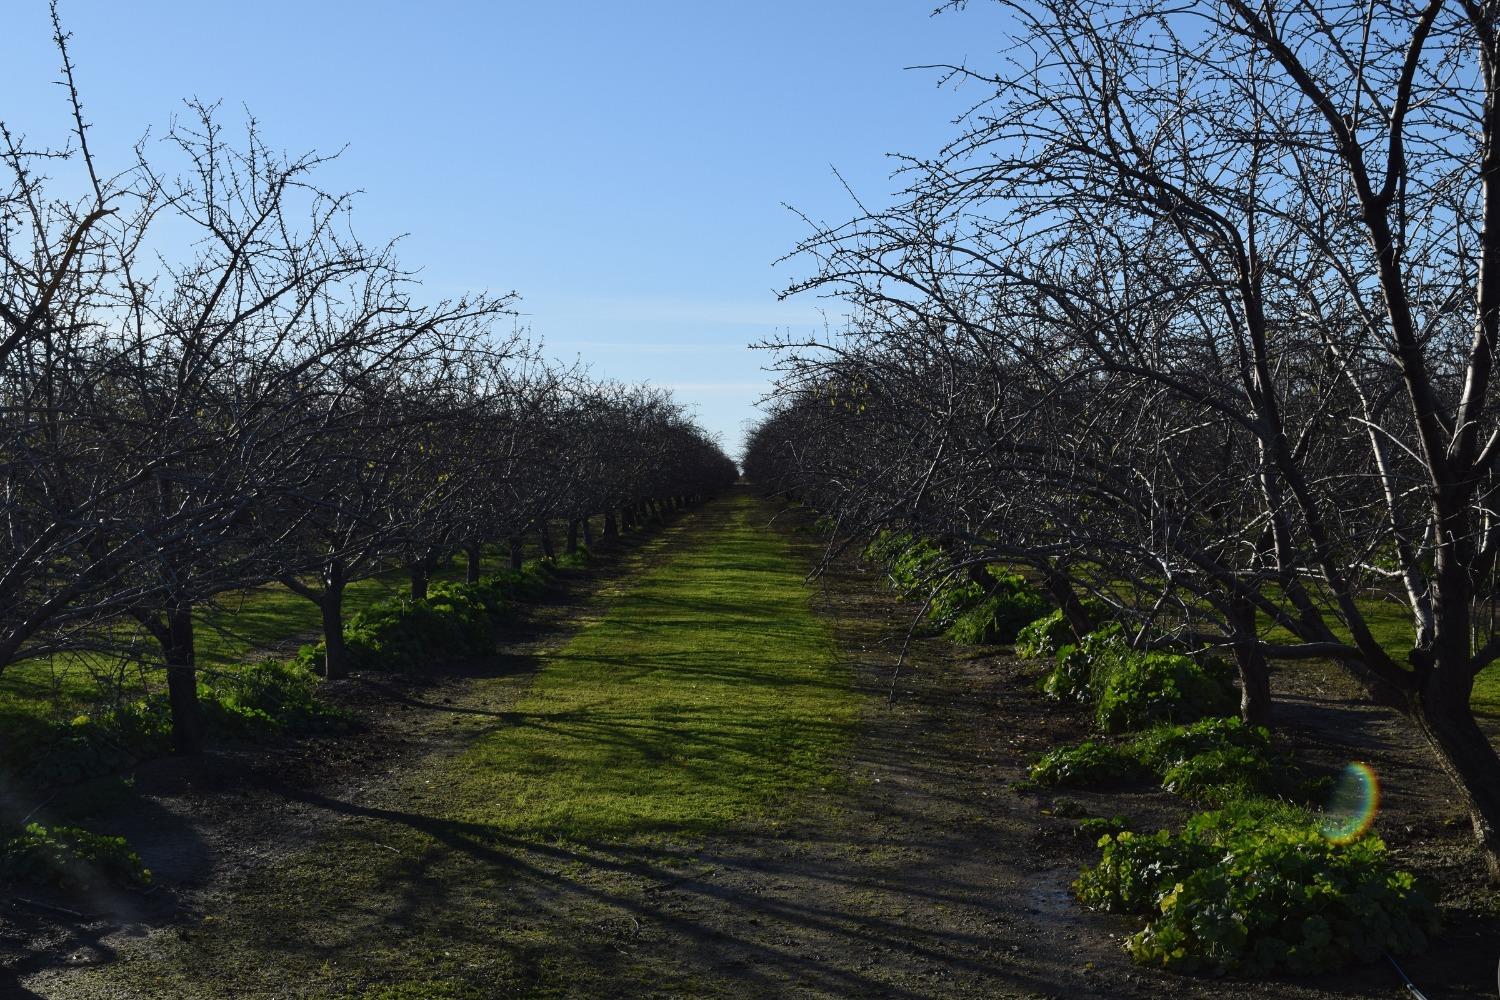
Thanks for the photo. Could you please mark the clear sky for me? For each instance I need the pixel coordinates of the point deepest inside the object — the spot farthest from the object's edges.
(621, 165)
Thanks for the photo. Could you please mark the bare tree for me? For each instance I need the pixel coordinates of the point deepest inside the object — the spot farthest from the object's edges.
(1207, 295)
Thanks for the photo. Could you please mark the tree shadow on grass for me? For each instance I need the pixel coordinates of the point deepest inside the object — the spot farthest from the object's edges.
(594, 912)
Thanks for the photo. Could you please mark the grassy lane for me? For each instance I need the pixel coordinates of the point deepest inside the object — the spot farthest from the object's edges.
(707, 689)
(702, 695)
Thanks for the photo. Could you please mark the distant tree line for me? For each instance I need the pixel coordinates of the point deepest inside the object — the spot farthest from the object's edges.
(1195, 317)
(209, 383)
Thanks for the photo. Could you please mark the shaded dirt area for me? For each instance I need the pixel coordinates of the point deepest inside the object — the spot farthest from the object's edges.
(917, 872)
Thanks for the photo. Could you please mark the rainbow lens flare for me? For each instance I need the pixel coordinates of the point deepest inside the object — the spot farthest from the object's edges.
(1353, 805)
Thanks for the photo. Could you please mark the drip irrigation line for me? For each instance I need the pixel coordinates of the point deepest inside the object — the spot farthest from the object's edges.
(1411, 987)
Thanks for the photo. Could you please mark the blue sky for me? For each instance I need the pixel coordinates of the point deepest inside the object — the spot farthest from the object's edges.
(620, 165)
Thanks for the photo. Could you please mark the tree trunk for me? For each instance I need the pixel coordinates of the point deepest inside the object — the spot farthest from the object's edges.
(419, 581)
(476, 558)
(1466, 755)
(571, 545)
(588, 531)
(1073, 610)
(1255, 676)
(516, 552)
(335, 657)
(544, 534)
(611, 528)
(182, 680)
(331, 606)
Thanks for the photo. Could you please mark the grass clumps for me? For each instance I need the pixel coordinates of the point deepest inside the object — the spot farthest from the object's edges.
(1131, 689)
(1254, 889)
(70, 858)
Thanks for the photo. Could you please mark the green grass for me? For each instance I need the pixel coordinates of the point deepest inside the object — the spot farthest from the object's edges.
(703, 693)
(708, 689)
(244, 626)
(1391, 625)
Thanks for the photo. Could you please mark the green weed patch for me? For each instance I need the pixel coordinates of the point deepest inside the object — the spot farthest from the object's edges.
(1255, 889)
(1130, 689)
(968, 611)
(69, 858)
(456, 621)
(1214, 760)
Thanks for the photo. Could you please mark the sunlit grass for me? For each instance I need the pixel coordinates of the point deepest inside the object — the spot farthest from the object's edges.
(243, 626)
(708, 689)
(704, 693)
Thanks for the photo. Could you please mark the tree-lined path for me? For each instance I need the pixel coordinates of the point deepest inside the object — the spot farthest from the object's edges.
(699, 690)
(688, 785)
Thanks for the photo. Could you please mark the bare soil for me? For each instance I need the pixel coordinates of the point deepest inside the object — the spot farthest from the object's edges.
(920, 872)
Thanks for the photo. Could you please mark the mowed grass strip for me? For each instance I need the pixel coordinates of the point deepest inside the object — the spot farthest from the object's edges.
(706, 690)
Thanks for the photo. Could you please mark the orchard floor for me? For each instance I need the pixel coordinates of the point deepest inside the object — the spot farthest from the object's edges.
(881, 853)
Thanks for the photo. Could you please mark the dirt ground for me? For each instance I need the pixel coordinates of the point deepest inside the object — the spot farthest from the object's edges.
(920, 872)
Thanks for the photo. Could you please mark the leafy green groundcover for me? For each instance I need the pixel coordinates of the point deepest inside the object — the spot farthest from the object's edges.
(970, 612)
(1043, 637)
(1214, 760)
(1257, 888)
(69, 858)
(456, 621)
(259, 699)
(1130, 689)
(997, 613)
(1087, 763)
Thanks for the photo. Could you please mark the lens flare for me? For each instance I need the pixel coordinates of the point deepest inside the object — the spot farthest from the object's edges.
(1353, 804)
